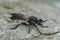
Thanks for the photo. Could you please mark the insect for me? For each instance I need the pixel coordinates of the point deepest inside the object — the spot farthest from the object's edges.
(31, 20)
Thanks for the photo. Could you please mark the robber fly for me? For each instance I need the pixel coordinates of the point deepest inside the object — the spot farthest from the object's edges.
(31, 20)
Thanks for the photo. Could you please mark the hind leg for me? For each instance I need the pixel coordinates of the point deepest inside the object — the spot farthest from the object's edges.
(23, 23)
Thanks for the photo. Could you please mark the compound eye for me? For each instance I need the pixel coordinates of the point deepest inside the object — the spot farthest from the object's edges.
(40, 21)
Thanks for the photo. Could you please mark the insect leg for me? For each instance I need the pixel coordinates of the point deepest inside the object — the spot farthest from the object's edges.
(23, 23)
(45, 21)
(36, 28)
(29, 31)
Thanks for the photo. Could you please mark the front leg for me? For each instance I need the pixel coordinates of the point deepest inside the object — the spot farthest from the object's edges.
(43, 26)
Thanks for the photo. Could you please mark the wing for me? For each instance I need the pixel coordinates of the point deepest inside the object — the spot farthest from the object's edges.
(18, 16)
